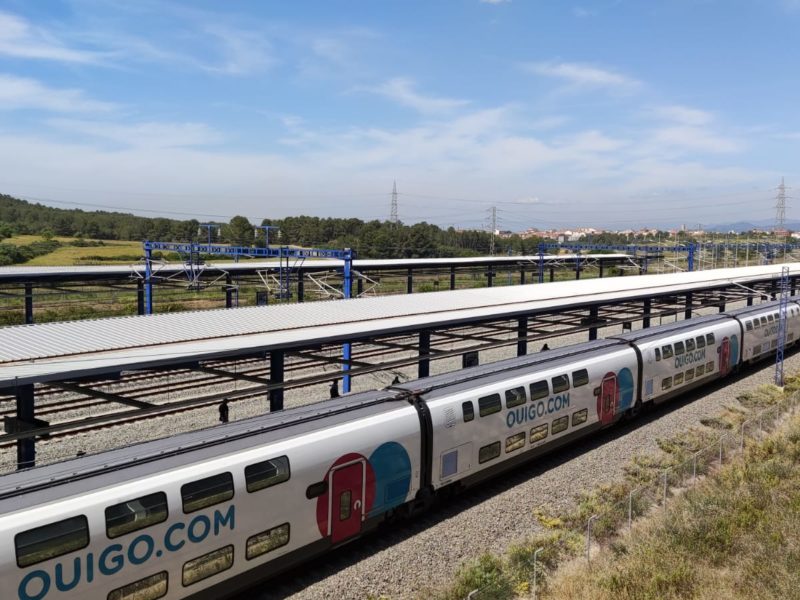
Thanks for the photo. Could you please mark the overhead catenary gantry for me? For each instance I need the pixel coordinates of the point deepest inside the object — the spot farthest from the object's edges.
(386, 333)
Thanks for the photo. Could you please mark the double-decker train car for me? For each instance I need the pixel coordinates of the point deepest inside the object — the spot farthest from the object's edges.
(208, 513)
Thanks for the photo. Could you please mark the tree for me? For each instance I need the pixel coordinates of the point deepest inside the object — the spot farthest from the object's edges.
(239, 232)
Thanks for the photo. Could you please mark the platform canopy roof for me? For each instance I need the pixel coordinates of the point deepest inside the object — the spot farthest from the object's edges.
(23, 273)
(66, 350)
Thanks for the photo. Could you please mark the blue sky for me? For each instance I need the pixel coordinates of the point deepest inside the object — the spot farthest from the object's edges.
(615, 113)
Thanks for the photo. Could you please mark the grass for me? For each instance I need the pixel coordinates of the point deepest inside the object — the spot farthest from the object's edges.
(702, 543)
(109, 253)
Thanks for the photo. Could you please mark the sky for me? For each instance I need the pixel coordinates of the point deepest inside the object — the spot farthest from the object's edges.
(608, 113)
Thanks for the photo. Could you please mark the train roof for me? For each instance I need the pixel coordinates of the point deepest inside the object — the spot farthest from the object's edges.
(455, 381)
(672, 328)
(147, 458)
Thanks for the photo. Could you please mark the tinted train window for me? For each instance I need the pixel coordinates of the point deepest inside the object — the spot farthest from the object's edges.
(56, 539)
(678, 379)
(207, 492)
(699, 371)
(316, 489)
(468, 410)
(267, 541)
(207, 565)
(266, 473)
(709, 367)
(701, 341)
(770, 318)
(515, 442)
(679, 349)
(488, 405)
(666, 383)
(539, 389)
(489, 452)
(135, 514)
(149, 588)
(345, 499)
(710, 339)
(559, 425)
(560, 383)
(762, 321)
(666, 352)
(689, 375)
(515, 397)
(748, 326)
(690, 345)
(580, 377)
(579, 416)
(658, 354)
(539, 433)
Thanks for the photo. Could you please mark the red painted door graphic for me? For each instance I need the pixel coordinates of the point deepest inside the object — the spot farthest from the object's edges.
(346, 501)
(608, 398)
(724, 357)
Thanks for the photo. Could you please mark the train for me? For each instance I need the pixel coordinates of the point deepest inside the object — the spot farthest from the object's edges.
(207, 514)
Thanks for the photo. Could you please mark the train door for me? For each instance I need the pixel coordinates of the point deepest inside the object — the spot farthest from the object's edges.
(346, 500)
(724, 357)
(607, 402)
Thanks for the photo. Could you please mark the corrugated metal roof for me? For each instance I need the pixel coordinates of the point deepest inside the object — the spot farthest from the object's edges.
(58, 350)
(250, 265)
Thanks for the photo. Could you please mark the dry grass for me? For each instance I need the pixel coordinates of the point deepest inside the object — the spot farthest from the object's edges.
(109, 253)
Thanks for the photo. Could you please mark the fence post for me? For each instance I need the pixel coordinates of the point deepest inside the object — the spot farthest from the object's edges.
(535, 555)
(589, 538)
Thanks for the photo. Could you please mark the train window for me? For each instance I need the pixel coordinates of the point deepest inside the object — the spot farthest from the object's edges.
(515, 442)
(666, 352)
(136, 514)
(690, 345)
(580, 377)
(710, 339)
(763, 321)
(207, 565)
(317, 489)
(345, 500)
(748, 326)
(658, 354)
(770, 318)
(469, 411)
(48, 541)
(579, 416)
(559, 425)
(679, 348)
(267, 541)
(699, 371)
(709, 367)
(489, 452)
(149, 588)
(539, 433)
(539, 389)
(515, 397)
(207, 492)
(267, 473)
(689, 375)
(666, 383)
(701, 341)
(560, 383)
(757, 349)
(678, 379)
(488, 405)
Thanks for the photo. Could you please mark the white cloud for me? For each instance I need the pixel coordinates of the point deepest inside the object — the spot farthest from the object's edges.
(402, 91)
(22, 93)
(243, 52)
(141, 135)
(696, 139)
(684, 115)
(583, 75)
(20, 39)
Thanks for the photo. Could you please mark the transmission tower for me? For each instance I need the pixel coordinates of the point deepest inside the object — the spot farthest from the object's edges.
(393, 213)
(780, 209)
(493, 225)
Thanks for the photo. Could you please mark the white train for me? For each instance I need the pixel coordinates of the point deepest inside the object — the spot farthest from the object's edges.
(206, 514)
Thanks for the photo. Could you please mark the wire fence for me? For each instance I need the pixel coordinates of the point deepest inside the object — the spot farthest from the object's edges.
(616, 519)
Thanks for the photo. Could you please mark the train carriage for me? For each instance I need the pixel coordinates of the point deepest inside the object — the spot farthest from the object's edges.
(184, 516)
(761, 328)
(535, 403)
(680, 356)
